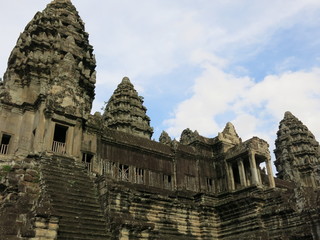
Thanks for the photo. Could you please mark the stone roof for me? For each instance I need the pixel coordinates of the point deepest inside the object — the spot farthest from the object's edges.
(125, 111)
(53, 57)
(296, 148)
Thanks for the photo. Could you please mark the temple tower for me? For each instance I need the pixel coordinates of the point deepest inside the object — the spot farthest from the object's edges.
(48, 88)
(125, 111)
(297, 153)
(53, 60)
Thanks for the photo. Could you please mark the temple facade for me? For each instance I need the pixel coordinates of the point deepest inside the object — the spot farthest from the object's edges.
(68, 174)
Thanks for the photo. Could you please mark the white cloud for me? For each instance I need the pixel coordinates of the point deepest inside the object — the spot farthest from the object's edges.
(213, 93)
(158, 38)
(256, 108)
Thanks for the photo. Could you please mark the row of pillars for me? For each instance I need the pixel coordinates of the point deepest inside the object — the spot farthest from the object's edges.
(254, 171)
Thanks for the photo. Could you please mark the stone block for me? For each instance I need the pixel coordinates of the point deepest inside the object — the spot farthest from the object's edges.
(32, 172)
(54, 220)
(53, 226)
(29, 178)
(20, 171)
(40, 224)
(41, 232)
(52, 234)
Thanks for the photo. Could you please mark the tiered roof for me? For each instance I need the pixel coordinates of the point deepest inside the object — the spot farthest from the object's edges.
(53, 57)
(297, 150)
(125, 111)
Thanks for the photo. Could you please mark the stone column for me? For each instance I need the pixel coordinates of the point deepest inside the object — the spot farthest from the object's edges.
(174, 177)
(230, 177)
(40, 130)
(70, 140)
(253, 167)
(270, 172)
(49, 133)
(242, 173)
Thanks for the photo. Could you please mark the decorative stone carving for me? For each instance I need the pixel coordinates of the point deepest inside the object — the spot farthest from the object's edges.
(125, 111)
(187, 136)
(229, 134)
(198, 188)
(165, 138)
(55, 60)
(297, 152)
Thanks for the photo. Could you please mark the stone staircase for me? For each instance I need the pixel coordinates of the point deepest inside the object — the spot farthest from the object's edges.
(74, 199)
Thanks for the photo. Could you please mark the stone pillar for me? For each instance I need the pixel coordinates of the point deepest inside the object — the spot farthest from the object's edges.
(49, 133)
(270, 173)
(259, 174)
(70, 140)
(174, 177)
(40, 130)
(242, 173)
(253, 167)
(231, 185)
(78, 136)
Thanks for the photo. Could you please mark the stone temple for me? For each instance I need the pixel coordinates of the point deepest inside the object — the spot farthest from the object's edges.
(67, 174)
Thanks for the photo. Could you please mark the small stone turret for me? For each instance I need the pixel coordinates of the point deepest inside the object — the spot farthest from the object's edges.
(53, 58)
(165, 138)
(187, 136)
(229, 136)
(297, 152)
(125, 111)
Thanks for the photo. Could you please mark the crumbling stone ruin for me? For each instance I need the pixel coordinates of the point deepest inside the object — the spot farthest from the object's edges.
(67, 174)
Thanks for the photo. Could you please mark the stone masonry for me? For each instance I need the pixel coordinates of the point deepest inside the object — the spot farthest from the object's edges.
(66, 174)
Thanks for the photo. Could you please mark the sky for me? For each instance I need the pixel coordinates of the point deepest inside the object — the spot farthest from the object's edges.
(202, 63)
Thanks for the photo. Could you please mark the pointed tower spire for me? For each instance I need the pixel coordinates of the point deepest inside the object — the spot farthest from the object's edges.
(125, 111)
(53, 58)
(229, 134)
(297, 152)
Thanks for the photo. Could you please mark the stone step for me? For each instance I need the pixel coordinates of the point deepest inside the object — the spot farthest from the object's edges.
(91, 223)
(87, 219)
(84, 226)
(75, 197)
(77, 210)
(63, 164)
(83, 204)
(65, 233)
(60, 172)
(70, 185)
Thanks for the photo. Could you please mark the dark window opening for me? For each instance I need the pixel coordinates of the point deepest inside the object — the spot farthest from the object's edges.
(4, 146)
(87, 160)
(60, 133)
(236, 175)
(209, 184)
(5, 139)
(167, 181)
(59, 139)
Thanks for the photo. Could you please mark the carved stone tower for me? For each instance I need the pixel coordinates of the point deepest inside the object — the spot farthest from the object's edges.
(297, 153)
(48, 87)
(125, 111)
(53, 60)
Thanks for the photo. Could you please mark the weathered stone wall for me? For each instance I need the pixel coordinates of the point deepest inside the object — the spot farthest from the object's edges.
(138, 212)
(267, 214)
(19, 195)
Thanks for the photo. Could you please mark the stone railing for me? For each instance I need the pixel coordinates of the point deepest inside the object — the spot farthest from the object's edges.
(88, 166)
(4, 149)
(59, 147)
